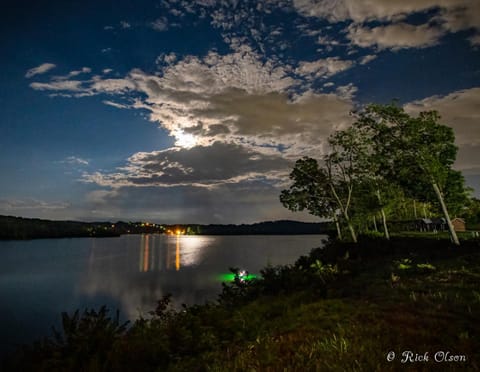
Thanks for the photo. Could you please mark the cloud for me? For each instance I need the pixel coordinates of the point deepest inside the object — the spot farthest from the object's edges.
(392, 10)
(444, 16)
(237, 95)
(458, 109)
(82, 88)
(347, 91)
(460, 15)
(60, 85)
(83, 70)
(125, 25)
(213, 184)
(323, 67)
(118, 86)
(240, 120)
(166, 58)
(75, 160)
(239, 20)
(475, 40)
(160, 24)
(202, 166)
(115, 104)
(248, 118)
(396, 36)
(368, 58)
(467, 160)
(43, 68)
(11, 205)
(230, 203)
(240, 98)
(327, 40)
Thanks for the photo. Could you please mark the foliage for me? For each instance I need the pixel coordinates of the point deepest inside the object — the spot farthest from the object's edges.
(385, 157)
(309, 190)
(472, 212)
(406, 264)
(85, 343)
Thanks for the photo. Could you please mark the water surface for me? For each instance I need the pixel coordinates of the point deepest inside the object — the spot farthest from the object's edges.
(41, 278)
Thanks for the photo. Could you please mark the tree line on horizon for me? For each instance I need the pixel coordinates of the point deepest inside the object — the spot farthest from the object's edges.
(19, 228)
(383, 161)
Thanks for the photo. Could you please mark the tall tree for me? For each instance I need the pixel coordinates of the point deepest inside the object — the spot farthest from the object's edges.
(357, 145)
(312, 191)
(416, 152)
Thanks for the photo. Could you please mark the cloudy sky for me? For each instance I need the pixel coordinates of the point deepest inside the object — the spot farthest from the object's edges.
(194, 111)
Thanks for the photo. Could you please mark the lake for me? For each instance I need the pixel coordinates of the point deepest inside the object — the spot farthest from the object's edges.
(41, 278)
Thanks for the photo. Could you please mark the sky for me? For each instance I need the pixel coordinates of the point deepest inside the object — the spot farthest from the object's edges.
(179, 111)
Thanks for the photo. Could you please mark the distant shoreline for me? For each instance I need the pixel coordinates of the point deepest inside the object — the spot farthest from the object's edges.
(19, 228)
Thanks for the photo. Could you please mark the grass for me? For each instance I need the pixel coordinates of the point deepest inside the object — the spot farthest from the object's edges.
(342, 308)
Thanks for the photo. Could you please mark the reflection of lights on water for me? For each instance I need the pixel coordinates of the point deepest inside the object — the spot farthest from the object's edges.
(146, 262)
(177, 253)
(146, 249)
(192, 247)
(142, 254)
(188, 251)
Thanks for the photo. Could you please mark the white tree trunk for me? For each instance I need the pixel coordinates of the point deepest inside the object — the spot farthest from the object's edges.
(345, 214)
(337, 225)
(351, 229)
(385, 227)
(453, 234)
(384, 217)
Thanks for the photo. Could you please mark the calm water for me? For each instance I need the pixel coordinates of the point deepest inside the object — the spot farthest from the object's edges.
(41, 278)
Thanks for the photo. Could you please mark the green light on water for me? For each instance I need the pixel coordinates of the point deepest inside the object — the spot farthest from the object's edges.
(230, 277)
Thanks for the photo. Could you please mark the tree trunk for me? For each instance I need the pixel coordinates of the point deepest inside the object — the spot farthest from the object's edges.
(453, 234)
(345, 214)
(414, 209)
(375, 223)
(351, 229)
(385, 227)
(384, 217)
(337, 225)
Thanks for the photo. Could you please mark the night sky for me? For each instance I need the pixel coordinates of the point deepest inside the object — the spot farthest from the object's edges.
(195, 111)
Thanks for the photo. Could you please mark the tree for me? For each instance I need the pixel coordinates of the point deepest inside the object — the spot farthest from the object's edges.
(358, 147)
(415, 152)
(472, 213)
(322, 191)
(310, 191)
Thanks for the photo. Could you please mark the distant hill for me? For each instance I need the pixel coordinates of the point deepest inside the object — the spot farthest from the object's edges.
(284, 227)
(17, 228)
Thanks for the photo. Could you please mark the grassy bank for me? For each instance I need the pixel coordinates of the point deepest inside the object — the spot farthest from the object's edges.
(344, 307)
